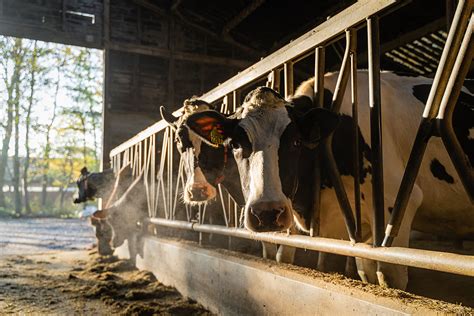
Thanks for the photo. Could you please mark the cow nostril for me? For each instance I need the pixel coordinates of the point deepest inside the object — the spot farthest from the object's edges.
(267, 218)
(199, 194)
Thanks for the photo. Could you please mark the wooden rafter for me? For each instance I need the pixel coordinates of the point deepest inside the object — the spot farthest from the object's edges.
(166, 53)
(242, 16)
(225, 38)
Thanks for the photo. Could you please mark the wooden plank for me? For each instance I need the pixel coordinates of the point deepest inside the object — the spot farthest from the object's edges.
(324, 32)
(166, 53)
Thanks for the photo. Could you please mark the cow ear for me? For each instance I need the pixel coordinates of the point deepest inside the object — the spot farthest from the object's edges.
(84, 171)
(211, 126)
(168, 117)
(316, 125)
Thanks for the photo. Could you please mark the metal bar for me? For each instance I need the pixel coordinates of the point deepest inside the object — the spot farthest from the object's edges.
(450, 51)
(444, 262)
(153, 173)
(319, 69)
(444, 118)
(341, 194)
(324, 32)
(356, 150)
(235, 100)
(288, 74)
(327, 153)
(453, 43)
(170, 170)
(376, 129)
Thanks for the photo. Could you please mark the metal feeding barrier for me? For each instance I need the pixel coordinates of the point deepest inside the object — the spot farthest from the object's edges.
(153, 151)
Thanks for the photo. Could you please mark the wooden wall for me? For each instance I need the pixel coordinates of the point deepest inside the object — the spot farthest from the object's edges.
(75, 22)
(153, 59)
(151, 56)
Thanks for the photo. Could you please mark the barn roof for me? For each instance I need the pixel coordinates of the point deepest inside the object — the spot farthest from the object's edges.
(411, 37)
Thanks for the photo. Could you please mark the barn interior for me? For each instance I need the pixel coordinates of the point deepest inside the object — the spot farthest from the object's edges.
(162, 52)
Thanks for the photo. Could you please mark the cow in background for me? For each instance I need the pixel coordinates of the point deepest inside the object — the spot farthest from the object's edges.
(124, 206)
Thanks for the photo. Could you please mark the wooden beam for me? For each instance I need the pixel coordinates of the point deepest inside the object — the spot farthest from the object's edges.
(166, 53)
(171, 62)
(225, 38)
(242, 16)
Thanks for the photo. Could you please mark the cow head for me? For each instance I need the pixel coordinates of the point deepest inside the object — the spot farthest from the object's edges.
(195, 156)
(266, 144)
(85, 192)
(93, 185)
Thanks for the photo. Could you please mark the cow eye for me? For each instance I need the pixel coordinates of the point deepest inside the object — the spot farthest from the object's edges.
(297, 143)
(235, 145)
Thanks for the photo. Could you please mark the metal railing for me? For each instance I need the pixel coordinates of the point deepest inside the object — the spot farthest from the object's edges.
(153, 151)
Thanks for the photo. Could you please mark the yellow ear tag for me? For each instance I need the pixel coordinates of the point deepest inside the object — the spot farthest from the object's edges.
(216, 136)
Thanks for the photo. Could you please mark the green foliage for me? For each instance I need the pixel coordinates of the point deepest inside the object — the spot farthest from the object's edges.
(60, 98)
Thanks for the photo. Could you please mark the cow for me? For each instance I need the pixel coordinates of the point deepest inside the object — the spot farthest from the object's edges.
(266, 144)
(215, 164)
(118, 221)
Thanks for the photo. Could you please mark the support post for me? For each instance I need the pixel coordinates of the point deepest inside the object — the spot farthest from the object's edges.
(319, 69)
(459, 27)
(376, 128)
(288, 72)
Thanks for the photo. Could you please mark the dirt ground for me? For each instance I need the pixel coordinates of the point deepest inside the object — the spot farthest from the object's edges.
(81, 282)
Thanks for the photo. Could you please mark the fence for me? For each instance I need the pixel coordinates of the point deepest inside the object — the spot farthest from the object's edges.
(152, 151)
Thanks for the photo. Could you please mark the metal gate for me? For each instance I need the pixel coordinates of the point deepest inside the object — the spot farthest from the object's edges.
(153, 151)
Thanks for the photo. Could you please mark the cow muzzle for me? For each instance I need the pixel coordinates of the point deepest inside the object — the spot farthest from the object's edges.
(269, 216)
(201, 192)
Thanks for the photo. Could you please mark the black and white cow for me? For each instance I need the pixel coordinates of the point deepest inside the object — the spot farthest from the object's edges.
(118, 221)
(206, 166)
(266, 145)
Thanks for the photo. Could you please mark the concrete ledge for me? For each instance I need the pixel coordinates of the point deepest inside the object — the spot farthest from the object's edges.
(228, 284)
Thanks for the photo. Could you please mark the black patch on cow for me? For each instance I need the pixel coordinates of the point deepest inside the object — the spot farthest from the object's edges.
(390, 209)
(342, 147)
(327, 99)
(439, 171)
(463, 115)
(363, 196)
(469, 85)
(301, 103)
(421, 92)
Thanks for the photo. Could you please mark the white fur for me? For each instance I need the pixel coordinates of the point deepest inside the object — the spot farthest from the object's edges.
(194, 176)
(264, 120)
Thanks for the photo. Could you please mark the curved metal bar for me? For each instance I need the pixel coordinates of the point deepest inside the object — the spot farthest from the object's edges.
(458, 29)
(327, 153)
(444, 119)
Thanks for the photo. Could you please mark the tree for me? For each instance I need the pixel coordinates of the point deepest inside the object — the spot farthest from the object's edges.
(51, 99)
(61, 62)
(35, 70)
(11, 50)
